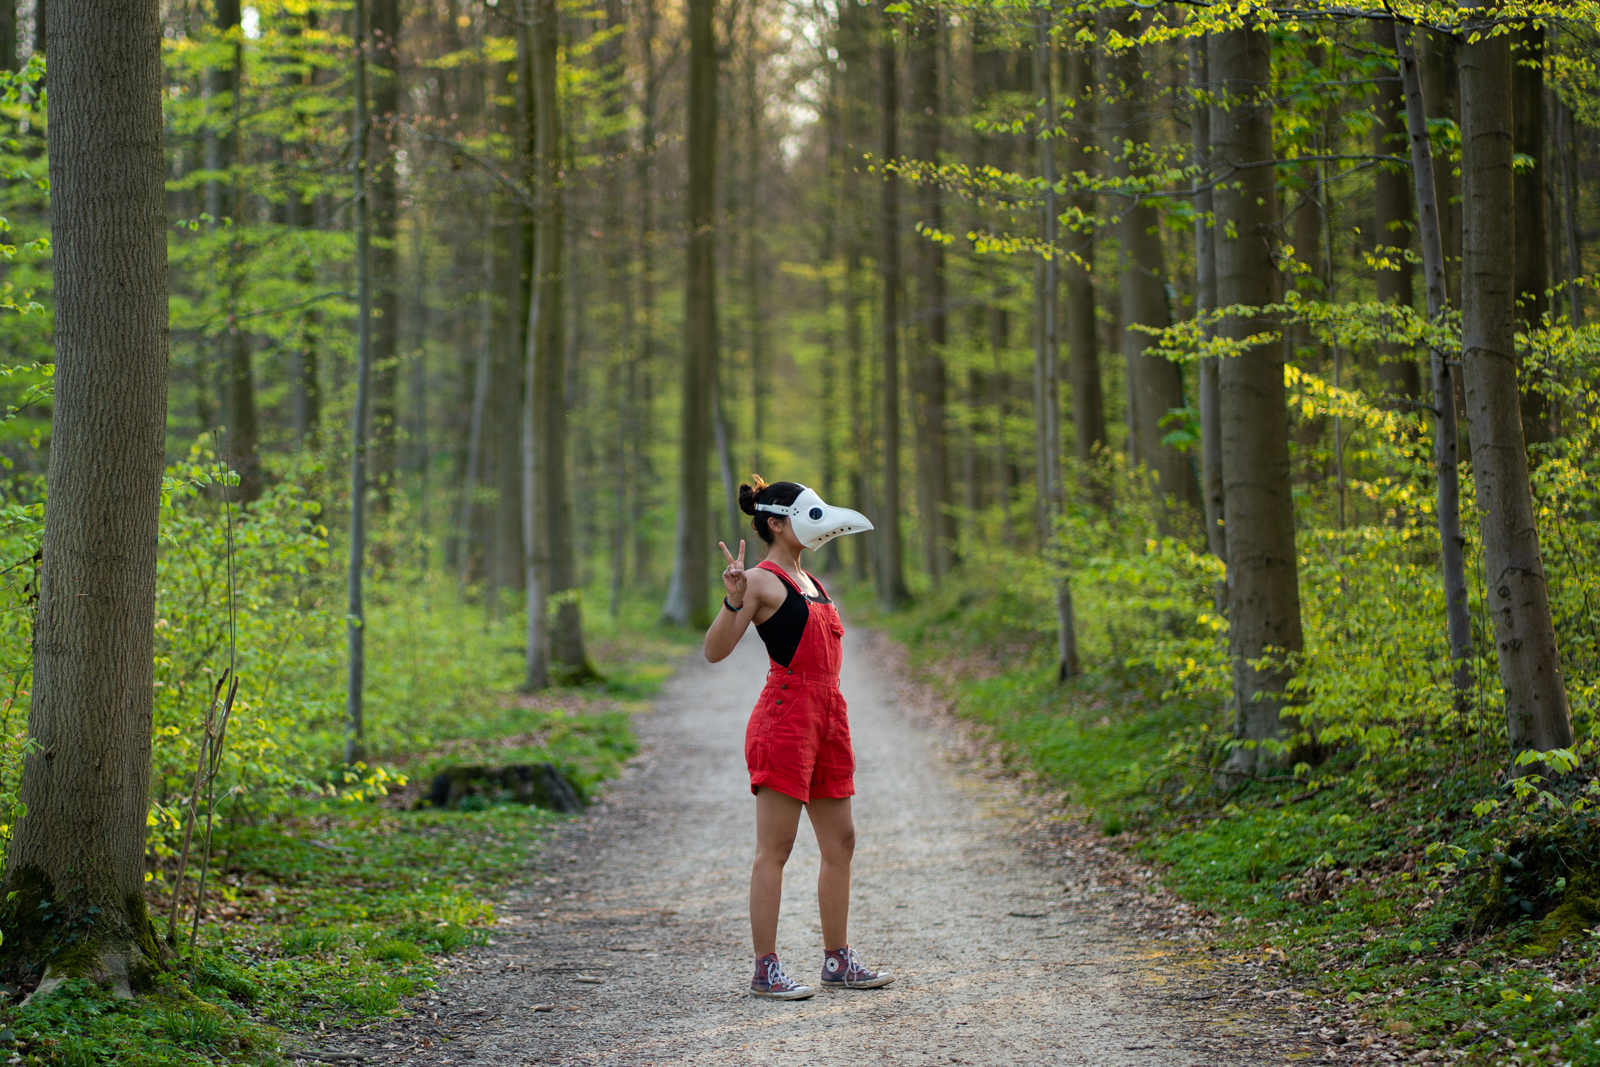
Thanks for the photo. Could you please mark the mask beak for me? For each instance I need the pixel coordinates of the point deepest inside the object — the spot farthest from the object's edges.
(837, 522)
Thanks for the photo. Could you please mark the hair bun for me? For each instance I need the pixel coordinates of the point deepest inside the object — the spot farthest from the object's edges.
(747, 495)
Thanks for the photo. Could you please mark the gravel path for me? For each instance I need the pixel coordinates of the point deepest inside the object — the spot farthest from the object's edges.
(635, 927)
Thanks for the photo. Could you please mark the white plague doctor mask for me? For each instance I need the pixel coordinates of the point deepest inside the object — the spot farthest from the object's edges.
(815, 522)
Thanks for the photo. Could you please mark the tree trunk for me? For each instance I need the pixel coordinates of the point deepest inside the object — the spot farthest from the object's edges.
(929, 333)
(1442, 95)
(1537, 715)
(1392, 221)
(1452, 546)
(550, 537)
(1083, 343)
(385, 197)
(687, 600)
(508, 337)
(85, 781)
(1157, 383)
(8, 35)
(1566, 145)
(1532, 268)
(641, 379)
(361, 417)
(1205, 288)
(1263, 587)
(892, 591)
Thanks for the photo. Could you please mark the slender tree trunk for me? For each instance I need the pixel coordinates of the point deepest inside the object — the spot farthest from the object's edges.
(1083, 343)
(1452, 546)
(1537, 715)
(1441, 93)
(892, 591)
(79, 849)
(641, 379)
(929, 335)
(1392, 221)
(1157, 383)
(1532, 267)
(1566, 145)
(385, 197)
(8, 35)
(361, 425)
(1205, 288)
(551, 535)
(1263, 586)
(508, 338)
(687, 599)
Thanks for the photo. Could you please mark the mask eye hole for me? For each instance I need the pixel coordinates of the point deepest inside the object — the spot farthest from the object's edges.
(816, 514)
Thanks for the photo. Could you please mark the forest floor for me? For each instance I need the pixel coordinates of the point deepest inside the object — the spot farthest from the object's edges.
(1015, 938)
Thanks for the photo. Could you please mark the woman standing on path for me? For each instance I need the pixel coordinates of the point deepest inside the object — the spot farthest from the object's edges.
(798, 742)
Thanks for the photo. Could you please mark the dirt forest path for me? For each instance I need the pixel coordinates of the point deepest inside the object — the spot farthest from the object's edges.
(635, 926)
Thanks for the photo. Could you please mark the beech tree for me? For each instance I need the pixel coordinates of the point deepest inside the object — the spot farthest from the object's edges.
(80, 845)
(1537, 714)
(1264, 627)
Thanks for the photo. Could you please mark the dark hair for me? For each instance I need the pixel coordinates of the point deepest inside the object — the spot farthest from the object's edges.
(781, 493)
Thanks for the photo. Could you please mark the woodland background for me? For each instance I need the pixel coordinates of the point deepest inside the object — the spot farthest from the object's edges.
(957, 266)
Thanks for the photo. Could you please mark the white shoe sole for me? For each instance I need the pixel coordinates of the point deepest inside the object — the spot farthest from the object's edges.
(797, 994)
(877, 983)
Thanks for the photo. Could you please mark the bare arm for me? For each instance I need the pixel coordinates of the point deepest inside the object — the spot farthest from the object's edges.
(756, 593)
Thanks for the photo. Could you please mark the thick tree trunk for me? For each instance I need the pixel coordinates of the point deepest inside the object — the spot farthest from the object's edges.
(929, 335)
(892, 591)
(1263, 587)
(1083, 343)
(1532, 268)
(1205, 288)
(1392, 221)
(550, 537)
(1537, 715)
(687, 600)
(85, 781)
(1452, 546)
(1157, 383)
(385, 197)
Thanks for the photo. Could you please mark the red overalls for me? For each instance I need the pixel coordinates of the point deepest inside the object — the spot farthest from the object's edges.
(798, 740)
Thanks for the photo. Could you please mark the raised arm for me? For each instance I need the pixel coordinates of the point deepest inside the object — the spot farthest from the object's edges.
(751, 592)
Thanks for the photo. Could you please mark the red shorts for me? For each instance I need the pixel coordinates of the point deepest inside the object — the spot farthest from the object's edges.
(798, 740)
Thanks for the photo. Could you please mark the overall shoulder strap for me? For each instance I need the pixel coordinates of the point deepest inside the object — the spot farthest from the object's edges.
(768, 565)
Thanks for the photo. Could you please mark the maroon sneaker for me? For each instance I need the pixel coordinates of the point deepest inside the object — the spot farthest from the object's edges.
(842, 969)
(770, 981)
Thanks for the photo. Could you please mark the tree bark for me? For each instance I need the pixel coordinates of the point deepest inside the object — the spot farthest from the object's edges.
(8, 35)
(1537, 715)
(1452, 546)
(1566, 145)
(1205, 289)
(1392, 220)
(929, 335)
(361, 417)
(687, 599)
(892, 591)
(550, 536)
(1157, 383)
(1083, 343)
(85, 781)
(385, 197)
(641, 373)
(1532, 266)
(1263, 586)
(509, 339)
(1442, 94)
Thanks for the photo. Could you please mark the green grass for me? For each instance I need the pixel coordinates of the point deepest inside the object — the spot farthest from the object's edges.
(328, 913)
(1371, 881)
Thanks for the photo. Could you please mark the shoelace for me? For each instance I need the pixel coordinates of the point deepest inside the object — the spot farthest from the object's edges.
(776, 979)
(852, 967)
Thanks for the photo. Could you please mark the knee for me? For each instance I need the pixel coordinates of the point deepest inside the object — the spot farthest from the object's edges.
(774, 853)
(841, 847)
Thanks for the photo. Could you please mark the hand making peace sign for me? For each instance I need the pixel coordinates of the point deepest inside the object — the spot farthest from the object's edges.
(733, 575)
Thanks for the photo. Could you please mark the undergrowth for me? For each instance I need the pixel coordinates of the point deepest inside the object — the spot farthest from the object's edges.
(1429, 887)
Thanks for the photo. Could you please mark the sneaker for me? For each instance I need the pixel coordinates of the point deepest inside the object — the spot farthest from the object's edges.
(770, 981)
(842, 969)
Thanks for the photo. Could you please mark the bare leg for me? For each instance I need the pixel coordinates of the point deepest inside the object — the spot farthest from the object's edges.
(836, 840)
(777, 819)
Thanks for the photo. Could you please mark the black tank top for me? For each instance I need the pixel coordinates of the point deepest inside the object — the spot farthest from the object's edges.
(781, 633)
